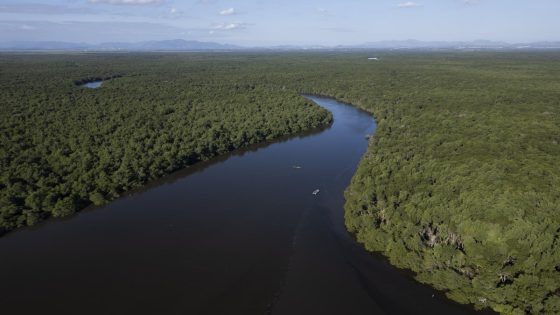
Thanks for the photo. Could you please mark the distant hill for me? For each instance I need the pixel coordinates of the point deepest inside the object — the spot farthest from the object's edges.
(477, 44)
(162, 45)
(411, 43)
(43, 45)
(192, 45)
(166, 45)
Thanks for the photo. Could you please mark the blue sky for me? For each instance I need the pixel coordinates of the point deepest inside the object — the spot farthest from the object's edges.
(279, 22)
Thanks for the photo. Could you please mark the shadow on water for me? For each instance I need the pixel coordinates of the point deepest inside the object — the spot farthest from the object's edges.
(203, 165)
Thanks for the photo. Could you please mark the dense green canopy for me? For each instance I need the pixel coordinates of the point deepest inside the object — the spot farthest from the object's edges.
(64, 147)
(460, 182)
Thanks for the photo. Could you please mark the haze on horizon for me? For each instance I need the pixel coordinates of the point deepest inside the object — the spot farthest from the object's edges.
(279, 22)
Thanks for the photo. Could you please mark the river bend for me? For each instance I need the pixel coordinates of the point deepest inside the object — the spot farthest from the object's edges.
(241, 234)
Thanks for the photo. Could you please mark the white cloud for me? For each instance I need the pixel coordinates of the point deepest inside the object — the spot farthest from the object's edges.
(408, 4)
(229, 26)
(173, 13)
(127, 2)
(230, 11)
(467, 2)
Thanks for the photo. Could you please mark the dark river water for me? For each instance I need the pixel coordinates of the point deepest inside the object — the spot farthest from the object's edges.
(242, 234)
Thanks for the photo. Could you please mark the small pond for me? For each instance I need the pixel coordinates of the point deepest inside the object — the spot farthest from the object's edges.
(93, 85)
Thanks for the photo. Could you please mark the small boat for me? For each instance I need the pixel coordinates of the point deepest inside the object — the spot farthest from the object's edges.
(315, 192)
(368, 136)
(297, 167)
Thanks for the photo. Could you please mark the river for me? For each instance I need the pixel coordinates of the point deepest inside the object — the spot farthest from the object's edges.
(241, 234)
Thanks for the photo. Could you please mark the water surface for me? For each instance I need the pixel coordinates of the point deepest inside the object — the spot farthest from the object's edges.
(242, 234)
(93, 85)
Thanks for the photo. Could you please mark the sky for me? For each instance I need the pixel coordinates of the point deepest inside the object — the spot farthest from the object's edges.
(279, 22)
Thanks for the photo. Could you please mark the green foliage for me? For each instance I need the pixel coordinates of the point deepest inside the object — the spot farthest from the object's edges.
(63, 207)
(63, 147)
(460, 182)
(97, 198)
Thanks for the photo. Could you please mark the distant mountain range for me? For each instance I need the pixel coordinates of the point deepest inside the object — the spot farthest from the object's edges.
(478, 44)
(191, 45)
(162, 45)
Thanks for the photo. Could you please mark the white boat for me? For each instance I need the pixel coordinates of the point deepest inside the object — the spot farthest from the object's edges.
(315, 192)
(296, 167)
